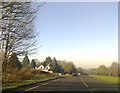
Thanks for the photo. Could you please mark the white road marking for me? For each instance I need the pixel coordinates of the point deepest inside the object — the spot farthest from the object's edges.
(41, 84)
(91, 91)
(44, 84)
(85, 84)
(32, 88)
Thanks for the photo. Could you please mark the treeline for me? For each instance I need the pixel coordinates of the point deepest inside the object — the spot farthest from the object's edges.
(17, 70)
(58, 66)
(15, 63)
(113, 70)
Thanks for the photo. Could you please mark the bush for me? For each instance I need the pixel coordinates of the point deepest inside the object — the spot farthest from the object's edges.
(24, 74)
(33, 71)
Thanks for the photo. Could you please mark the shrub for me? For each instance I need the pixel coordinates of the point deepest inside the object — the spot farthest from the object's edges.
(33, 71)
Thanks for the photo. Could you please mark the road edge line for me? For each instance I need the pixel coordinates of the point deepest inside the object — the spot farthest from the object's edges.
(32, 88)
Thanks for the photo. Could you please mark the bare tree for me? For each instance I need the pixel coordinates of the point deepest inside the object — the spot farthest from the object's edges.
(17, 28)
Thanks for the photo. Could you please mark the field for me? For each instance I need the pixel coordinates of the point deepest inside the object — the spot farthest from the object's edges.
(111, 79)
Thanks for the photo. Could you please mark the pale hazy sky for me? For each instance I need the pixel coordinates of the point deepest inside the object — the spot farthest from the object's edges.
(85, 33)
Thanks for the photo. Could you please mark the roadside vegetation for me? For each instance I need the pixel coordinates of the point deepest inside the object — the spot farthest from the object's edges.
(111, 79)
(109, 74)
(17, 84)
(113, 70)
(20, 73)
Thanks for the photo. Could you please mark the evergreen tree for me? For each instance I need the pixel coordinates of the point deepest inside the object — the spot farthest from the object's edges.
(14, 62)
(61, 70)
(26, 61)
(47, 61)
(55, 66)
(33, 64)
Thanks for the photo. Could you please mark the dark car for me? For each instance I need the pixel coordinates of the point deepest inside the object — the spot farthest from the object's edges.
(74, 74)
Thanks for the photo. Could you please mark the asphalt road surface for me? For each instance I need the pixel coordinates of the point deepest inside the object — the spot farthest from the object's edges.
(73, 83)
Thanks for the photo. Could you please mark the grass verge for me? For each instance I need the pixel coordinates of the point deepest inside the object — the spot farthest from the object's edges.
(68, 75)
(111, 79)
(13, 85)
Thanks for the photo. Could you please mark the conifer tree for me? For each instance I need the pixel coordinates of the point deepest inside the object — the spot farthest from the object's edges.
(26, 61)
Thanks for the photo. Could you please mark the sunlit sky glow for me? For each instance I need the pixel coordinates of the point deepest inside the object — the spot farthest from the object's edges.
(85, 33)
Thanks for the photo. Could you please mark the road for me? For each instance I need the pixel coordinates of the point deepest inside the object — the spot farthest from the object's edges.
(73, 83)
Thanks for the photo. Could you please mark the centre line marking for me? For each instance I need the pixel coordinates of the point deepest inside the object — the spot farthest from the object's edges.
(32, 88)
(91, 91)
(85, 84)
(44, 84)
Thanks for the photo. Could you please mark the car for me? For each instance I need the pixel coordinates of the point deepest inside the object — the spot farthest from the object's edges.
(79, 73)
(74, 74)
(59, 74)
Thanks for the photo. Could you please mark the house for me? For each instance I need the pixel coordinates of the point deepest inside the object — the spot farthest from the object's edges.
(41, 67)
(47, 67)
(44, 68)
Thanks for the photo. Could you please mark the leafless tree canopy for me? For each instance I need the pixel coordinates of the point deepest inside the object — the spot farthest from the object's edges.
(17, 28)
